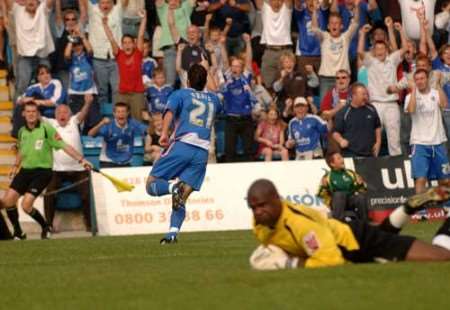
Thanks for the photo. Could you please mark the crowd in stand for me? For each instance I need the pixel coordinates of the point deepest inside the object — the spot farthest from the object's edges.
(296, 77)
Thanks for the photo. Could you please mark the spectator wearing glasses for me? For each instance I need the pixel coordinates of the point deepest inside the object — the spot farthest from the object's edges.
(337, 97)
(66, 26)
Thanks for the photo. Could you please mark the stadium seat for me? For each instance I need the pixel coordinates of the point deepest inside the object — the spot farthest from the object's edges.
(106, 109)
(92, 148)
(69, 199)
(138, 152)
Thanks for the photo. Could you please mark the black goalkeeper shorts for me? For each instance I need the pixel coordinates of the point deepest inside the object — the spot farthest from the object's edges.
(32, 181)
(376, 244)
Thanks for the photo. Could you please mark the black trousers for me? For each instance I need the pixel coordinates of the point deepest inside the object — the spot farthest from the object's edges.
(343, 204)
(83, 189)
(238, 126)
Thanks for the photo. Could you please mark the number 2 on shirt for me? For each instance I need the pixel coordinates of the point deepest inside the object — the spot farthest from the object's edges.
(197, 115)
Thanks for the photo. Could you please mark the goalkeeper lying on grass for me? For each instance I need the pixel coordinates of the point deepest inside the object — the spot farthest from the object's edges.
(297, 236)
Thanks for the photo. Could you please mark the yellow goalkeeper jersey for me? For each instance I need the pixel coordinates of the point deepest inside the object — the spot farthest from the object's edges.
(307, 233)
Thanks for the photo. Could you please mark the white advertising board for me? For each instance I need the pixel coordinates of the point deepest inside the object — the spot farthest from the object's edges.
(219, 205)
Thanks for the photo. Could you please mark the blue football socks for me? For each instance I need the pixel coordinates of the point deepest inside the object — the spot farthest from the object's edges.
(176, 220)
(158, 187)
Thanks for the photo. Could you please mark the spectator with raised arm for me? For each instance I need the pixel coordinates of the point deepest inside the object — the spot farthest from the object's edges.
(118, 137)
(129, 60)
(276, 35)
(34, 44)
(334, 46)
(367, 10)
(409, 9)
(238, 103)
(131, 17)
(105, 66)
(440, 60)
(182, 11)
(78, 55)
(236, 11)
(382, 72)
(308, 46)
(442, 20)
(66, 23)
(65, 168)
(429, 159)
(291, 83)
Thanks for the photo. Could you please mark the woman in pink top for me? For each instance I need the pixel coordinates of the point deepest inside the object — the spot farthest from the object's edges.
(270, 135)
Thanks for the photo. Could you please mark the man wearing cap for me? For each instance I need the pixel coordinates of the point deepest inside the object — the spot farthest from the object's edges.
(304, 131)
(357, 127)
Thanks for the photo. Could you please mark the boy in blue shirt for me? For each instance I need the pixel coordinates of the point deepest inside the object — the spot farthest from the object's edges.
(186, 155)
(118, 137)
(158, 93)
(304, 132)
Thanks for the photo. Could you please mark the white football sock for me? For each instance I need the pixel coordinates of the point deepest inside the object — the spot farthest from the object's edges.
(442, 240)
(399, 217)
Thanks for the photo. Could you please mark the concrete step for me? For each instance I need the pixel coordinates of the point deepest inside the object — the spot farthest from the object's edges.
(5, 124)
(4, 93)
(6, 141)
(6, 108)
(7, 157)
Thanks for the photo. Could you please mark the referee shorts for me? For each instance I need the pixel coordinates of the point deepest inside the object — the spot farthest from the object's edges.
(32, 181)
(377, 245)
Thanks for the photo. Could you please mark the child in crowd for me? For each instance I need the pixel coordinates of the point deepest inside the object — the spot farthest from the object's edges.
(292, 83)
(213, 35)
(47, 93)
(78, 53)
(305, 131)
(148, 64)
(334, 46)
(129, 60)
(152, 147)
(270, 136)
(158, 92)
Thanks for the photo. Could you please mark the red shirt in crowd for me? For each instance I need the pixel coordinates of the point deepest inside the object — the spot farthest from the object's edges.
(130, 72)
(328, 101)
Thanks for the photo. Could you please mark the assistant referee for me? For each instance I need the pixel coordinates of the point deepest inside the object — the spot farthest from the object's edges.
(33, 165)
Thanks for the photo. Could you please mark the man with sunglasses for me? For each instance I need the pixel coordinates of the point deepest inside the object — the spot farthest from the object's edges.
(66, 25)
(337, 97)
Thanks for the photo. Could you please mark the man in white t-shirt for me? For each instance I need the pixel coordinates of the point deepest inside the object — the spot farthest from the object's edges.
(429, 159)
(382, 73)
(34, 39)
(276, 35)
(334, 46)
(66, 168)
(409, 10)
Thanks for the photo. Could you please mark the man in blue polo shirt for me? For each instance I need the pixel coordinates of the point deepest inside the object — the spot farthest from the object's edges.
(118, 137)
(308, 45)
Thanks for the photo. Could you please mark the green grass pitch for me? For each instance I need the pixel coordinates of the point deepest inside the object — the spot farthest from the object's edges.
(203, 271)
